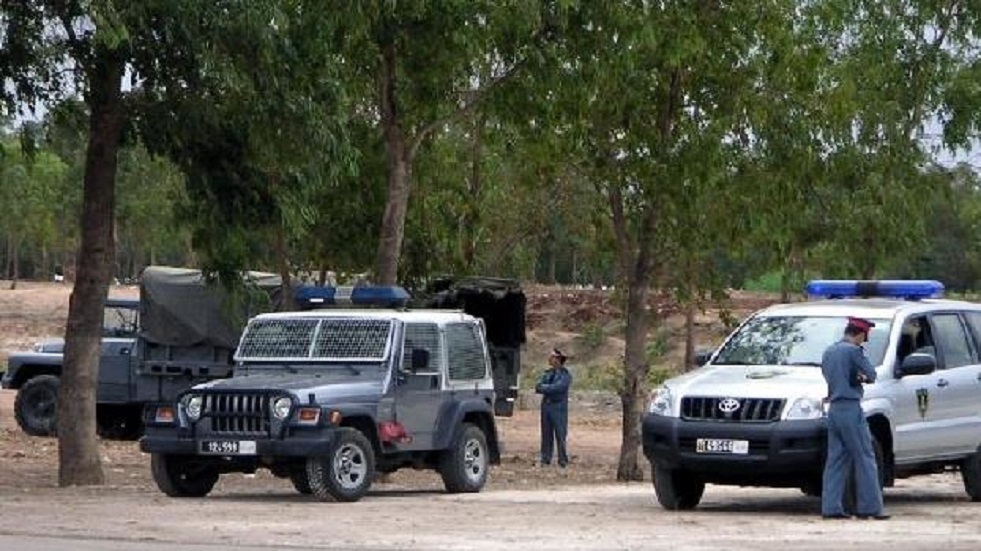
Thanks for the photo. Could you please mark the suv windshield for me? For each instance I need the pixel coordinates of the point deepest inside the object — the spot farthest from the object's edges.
(795, 340)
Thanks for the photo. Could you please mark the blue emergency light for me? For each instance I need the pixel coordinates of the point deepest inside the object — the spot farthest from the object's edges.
(309, 297)
(910, 289)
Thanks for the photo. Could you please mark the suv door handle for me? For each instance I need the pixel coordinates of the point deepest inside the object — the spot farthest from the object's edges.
(942, 383)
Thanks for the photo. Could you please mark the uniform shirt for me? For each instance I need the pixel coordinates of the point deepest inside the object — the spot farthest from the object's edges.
(554, 385)
(841, 365)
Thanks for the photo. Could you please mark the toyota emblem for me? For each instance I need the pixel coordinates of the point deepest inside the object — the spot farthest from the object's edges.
(728, 405)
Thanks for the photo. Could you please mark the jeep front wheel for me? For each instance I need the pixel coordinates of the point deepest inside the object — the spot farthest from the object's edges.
(676, 489)
(464, 466)
(36, 406)
(346, 472)
(178, 476)
(971, 473)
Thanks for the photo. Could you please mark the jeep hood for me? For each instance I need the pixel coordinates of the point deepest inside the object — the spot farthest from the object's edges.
(751, 381)
(325, 387)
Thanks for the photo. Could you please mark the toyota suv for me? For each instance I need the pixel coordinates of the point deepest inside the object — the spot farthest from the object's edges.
(754, 413)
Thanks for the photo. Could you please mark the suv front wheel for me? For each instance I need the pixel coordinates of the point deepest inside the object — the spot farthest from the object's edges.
(464, 466)
(178, 476)
(36, 406)
(676, 489)
(971, 473)
(346, 472)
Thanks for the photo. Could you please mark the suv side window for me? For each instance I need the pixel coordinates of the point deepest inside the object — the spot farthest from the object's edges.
(426, 337)
(974, 321)
(915, 337)
(464, 351)
(952, 339)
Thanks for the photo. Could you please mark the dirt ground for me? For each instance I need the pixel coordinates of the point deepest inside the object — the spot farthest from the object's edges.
(522, 507)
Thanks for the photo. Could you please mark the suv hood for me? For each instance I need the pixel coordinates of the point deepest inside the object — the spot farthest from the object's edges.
(325, 388)
(751, 381)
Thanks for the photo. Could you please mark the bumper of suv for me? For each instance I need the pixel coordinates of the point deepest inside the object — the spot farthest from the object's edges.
(784, 453)
(308, 443)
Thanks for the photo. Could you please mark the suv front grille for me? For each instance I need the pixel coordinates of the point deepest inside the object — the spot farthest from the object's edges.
(749, 410)
(237, 414)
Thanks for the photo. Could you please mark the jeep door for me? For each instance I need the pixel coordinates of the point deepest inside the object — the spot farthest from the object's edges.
(951, 399)
(419, 391)
(115, 371)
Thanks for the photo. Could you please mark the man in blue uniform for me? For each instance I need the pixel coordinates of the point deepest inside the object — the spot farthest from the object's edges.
(554, 387)
(845, 369)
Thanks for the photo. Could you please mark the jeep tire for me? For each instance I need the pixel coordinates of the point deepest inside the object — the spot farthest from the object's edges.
(36, 406)
(178, 476)
(464, 465)
(300, 481)
(971, 473)
(346, 473)
(676, 490)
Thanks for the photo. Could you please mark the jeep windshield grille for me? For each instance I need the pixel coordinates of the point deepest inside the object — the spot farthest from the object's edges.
(795, 340)
(312, 339)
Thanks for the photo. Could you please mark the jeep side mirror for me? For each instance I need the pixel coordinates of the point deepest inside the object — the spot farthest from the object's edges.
(420, 359)
(702, 357)
(917, 364)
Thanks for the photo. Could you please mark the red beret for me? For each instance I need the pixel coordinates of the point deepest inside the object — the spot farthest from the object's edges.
(861, 324)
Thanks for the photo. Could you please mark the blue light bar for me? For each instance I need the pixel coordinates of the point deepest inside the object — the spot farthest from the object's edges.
(910, 289)
(308, 297)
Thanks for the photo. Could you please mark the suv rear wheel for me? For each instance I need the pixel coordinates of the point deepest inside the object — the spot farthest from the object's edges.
(464, 466)
(971, 473)
(178, 476)
(36, 406)
(676, 489)
(345, 474)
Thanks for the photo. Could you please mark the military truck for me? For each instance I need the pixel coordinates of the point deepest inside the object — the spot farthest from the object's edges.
(179, 333)
(329, 398)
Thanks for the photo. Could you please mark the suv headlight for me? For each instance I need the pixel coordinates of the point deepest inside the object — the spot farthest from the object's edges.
(806, 408)
(660, 401)
(192, 406)
(281, 407)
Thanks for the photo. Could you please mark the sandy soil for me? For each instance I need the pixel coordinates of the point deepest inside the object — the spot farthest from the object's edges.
(523, 506)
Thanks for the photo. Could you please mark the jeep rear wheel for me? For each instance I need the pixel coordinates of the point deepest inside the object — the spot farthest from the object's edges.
(345, 474)
(464, 466)
(36, 406)
(179, 476)
(676, 489)
(971, 473)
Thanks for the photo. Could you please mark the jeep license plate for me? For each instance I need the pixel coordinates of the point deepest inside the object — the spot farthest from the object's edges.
(720, 445)
(228, 447)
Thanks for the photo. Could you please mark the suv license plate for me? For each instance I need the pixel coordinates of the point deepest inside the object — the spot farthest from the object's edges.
(718, 445)
(228, 447)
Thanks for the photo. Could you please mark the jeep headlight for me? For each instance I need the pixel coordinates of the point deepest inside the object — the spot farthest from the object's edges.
(281, 407)
(660, 401)
(192, 406)
(806, 408)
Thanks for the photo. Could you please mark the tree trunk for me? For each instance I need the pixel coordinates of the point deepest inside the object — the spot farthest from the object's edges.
(78, 447)
(283, 263)
(399, 174)
(690, 334)
(15, 257)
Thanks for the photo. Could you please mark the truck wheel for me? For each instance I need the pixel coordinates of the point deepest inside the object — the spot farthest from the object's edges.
(677, 490)
(300, 481)
(464, 466)
(971, 473)
(36, 406)
(178, 477)
(346, 472)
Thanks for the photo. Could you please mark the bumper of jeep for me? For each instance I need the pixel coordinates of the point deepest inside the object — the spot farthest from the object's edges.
(307, 443)
(784, 453)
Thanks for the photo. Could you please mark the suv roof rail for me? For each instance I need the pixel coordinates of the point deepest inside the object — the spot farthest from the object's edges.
(907, 289)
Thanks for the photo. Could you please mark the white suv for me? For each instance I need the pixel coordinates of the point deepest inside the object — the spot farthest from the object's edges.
(754, 413)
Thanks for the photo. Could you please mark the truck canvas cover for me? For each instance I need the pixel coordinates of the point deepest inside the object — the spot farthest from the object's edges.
(178, 307)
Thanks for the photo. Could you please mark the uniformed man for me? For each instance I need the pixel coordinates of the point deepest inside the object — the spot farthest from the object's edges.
(554, 387)
(845, 369)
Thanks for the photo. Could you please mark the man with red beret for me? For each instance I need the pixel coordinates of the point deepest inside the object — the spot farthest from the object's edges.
(845, 369)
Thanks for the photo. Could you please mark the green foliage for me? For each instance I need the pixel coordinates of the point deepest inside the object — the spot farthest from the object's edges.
(592, 337)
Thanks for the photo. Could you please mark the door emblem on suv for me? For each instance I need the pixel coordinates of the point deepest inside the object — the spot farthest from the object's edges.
(922, 401)
(728, 405)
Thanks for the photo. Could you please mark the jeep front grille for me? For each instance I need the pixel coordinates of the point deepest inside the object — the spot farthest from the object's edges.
(749, 410)
(237, 414)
